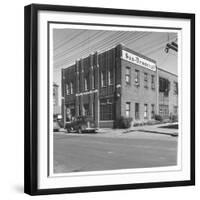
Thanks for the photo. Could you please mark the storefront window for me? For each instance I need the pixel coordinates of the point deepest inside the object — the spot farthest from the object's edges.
(86, 109)
(106, 109)
(137, 115)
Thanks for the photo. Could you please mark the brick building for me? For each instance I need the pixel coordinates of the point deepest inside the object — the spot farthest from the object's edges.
(118, 82)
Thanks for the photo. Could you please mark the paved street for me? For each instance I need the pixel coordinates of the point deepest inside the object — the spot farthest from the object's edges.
(90, 152)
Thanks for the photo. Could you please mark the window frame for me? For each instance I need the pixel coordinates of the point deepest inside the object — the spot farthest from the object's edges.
(153, 82)
(103, 78)
(71, 88)
(146, 111)
(152, 111)
(110, 74)
(145, 79)
(129, 109)
(67, 89)
(137, 77)
(137, 111)
(106, 109)
(128, 75)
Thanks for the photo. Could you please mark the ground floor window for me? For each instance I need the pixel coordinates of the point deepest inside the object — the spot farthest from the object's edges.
(70, 112)
(93, 110)
(175, 110)
(164, 110)
(106, 109)
(86, 109)
(128, 109)
(145, 111)
(137, 113)
(152, 111)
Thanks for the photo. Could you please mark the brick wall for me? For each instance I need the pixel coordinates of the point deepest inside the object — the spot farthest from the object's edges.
(137, 93)
(91, 69)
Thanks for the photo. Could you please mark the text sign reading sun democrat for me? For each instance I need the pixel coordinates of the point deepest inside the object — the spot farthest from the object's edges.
(138, 60)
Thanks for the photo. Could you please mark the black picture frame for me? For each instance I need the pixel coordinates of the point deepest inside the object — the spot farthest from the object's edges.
(31, 98)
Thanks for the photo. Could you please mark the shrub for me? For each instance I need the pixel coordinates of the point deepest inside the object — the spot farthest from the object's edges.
(123, 122)
(152, 122)
(138, 124)
(158, 118)
(174, 118)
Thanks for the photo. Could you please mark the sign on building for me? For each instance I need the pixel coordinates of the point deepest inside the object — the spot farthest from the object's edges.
(130, 57)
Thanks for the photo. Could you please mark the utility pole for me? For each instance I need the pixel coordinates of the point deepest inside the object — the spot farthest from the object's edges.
(173, 46)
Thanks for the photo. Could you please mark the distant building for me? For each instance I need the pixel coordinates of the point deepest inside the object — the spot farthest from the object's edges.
(168, 94)
(118, 82)
(56, 107)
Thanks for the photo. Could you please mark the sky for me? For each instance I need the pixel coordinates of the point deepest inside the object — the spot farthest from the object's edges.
(72, 44)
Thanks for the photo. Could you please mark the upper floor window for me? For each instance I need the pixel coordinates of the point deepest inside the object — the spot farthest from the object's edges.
(110, 77)
(137, 77)
(152, 82)
(93, 81)
(145, 80)
(71, 88)
(128, 76)
(67, 89)
(164, 86)
(175, 87)
(145, 111)
(103, 79)
(85, 84)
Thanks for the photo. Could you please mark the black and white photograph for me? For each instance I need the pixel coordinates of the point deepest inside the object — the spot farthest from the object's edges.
(115, 99)
(111, 94)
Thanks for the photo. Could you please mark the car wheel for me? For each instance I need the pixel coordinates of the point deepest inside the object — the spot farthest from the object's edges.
(79, 130)
(68, 130)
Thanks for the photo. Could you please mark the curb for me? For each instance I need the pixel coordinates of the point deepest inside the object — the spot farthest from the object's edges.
(158, 132)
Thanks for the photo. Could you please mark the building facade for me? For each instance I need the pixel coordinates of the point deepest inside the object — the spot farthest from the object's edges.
(115, 83)
(168, 94)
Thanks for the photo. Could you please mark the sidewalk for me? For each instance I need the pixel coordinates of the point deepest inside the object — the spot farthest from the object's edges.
(157, 129)
(153, 129)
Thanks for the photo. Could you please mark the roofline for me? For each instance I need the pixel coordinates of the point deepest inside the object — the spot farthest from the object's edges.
(123, 48)
(167, 72)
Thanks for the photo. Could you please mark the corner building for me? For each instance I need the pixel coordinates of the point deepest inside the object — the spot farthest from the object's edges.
(117, 82)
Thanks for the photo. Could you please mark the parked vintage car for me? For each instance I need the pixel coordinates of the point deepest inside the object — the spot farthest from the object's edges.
(81, 124)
